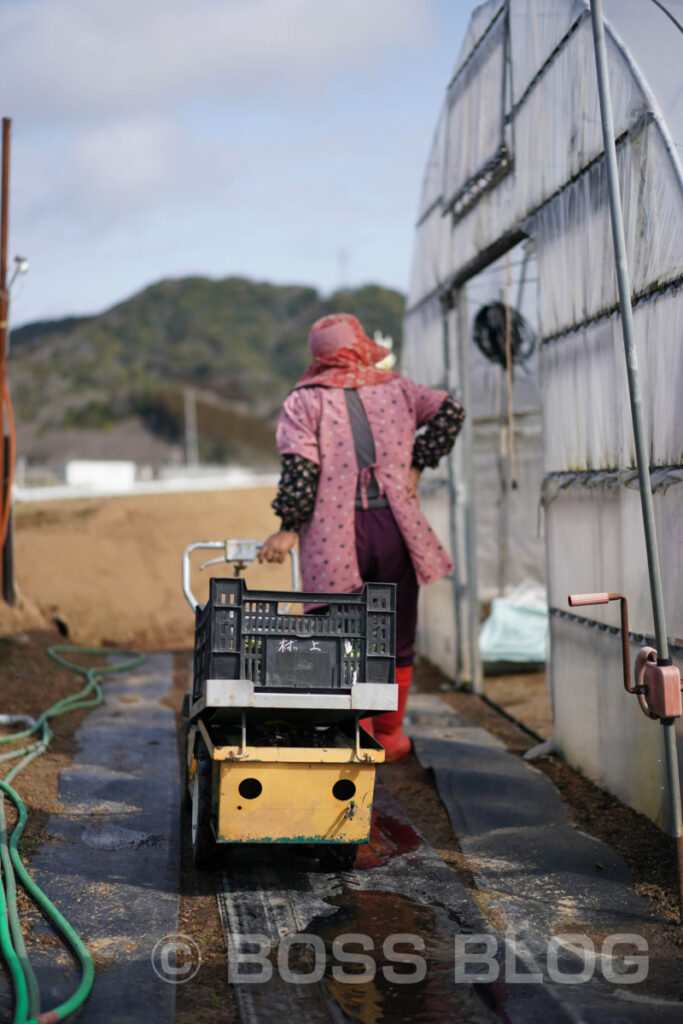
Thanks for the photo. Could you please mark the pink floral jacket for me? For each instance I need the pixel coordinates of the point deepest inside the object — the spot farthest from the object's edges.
(314, 423)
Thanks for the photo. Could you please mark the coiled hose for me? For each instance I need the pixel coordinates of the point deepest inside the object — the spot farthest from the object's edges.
(27, 1008)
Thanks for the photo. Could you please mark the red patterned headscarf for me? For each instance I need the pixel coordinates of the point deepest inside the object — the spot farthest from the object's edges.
(343, 355)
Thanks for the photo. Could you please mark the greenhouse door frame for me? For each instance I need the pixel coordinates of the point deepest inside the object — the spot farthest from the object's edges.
(462, 496)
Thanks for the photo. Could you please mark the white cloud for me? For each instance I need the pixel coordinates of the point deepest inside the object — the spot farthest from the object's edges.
(78, 56)
(127, 158)
(112, 171)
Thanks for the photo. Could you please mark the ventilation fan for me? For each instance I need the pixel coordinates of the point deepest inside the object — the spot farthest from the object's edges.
(489, 334)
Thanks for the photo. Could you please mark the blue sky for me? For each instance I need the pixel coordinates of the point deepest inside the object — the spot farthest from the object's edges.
(282, 140)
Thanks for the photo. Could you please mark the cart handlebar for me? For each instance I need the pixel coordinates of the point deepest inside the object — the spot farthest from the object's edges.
(239, 552)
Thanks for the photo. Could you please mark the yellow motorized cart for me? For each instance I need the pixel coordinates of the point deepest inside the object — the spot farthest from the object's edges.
(274, 749)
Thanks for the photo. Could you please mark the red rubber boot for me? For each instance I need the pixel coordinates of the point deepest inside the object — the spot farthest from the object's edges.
(389, 726)
(369, 725)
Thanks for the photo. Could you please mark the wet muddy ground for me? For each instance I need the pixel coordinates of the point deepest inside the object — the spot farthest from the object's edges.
(363, 945)
(346, 905)
(355, 903)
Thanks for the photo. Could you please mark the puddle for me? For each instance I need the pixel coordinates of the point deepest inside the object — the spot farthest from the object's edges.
(380, 957)
(408, 971)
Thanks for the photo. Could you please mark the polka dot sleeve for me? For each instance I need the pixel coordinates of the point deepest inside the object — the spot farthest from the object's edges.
(296, 493)
(439, 435)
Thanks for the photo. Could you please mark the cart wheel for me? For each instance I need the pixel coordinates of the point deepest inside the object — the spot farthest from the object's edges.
(339, 857)
(203, 843)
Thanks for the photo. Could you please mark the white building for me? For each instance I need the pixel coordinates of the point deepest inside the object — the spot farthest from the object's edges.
(101, 475)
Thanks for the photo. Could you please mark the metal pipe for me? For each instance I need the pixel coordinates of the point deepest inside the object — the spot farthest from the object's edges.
(668, 729)
(472, 596)
(359, 753)
(243, 752)
(211, 545)
(509, 378)
(625, 642)
(656, 592)
(452, 501)
(579, 600)
(9, 594)
(623, 283)
(8, 590)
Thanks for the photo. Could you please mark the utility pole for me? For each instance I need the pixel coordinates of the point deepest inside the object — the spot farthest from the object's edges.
(7, 452)
(191, 434)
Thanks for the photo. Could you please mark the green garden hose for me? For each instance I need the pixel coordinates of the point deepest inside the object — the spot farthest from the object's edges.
(27, 994)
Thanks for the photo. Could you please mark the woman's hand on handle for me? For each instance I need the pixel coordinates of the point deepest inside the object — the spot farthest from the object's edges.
(277, 546)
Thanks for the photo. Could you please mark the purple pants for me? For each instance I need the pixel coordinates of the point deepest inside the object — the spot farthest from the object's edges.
(383, 558)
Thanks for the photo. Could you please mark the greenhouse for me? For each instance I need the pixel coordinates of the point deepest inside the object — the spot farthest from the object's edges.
(513, 306)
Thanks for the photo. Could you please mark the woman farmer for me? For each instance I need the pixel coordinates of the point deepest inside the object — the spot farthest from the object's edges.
(348, 490)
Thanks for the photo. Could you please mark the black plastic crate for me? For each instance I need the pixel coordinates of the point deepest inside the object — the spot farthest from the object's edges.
(244, 634)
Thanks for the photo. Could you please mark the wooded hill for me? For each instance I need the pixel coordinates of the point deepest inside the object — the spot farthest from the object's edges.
(88, 386)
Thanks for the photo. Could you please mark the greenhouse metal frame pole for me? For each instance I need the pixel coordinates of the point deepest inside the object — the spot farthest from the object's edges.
(470, 517)
(623, 283)
(449, 384)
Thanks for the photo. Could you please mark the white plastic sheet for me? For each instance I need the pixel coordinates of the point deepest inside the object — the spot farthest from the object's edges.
(517, 628)
(510, 536)
(536, 28)
(432, 182)
(557, 128)
(574, 236)
(595, 543)
(598, 726)
(653, 42)
(586, 411)
(475, 112)
(436, 629)
(482, 17)
(431, 256)
(423, 349)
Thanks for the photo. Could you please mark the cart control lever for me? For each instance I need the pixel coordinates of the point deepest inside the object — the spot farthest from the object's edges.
(657, 686)
(238, 552)
(212, 561)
